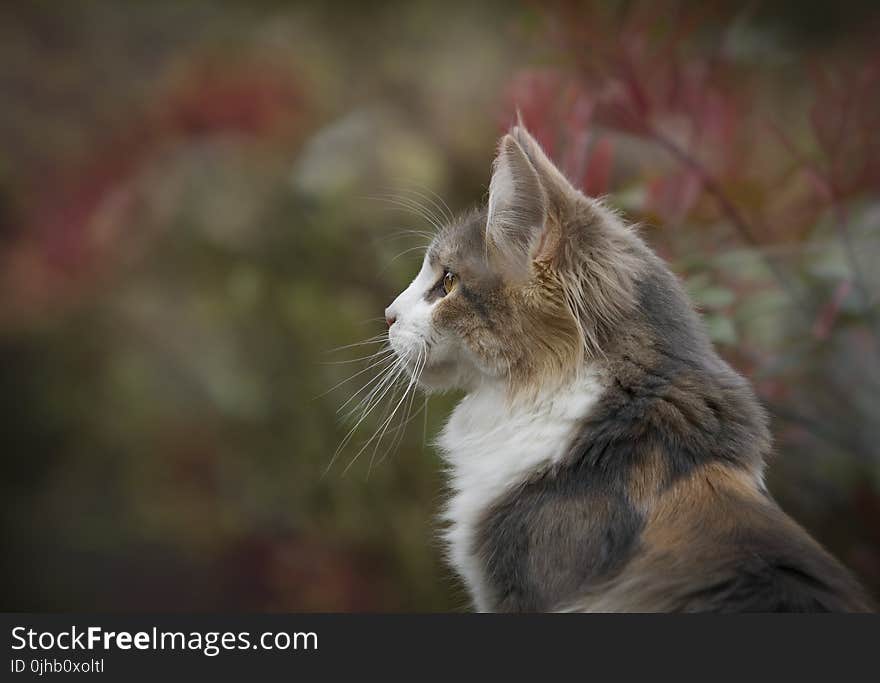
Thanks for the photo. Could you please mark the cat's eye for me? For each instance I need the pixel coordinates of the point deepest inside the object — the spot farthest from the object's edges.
(449, 282)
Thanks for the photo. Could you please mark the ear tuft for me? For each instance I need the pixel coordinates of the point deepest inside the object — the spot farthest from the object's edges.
(555, 184)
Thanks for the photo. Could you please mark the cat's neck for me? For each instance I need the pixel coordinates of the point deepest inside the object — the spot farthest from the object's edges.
(493, 444)
(493, 404)
(496, 439)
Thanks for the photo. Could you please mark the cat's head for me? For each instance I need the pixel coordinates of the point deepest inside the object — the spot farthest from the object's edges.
(523, 291)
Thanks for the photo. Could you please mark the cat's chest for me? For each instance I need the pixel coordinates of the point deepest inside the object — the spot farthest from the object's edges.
(491, 447)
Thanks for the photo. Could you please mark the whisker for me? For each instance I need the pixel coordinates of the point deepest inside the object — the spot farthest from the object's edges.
(400, 430)
(448, 211)
(385, 374)
(425, 425)
(367, 342)
(432, 197)
(408, 233)
(371, 366)
(377, 393)
(383, 427)
(396, 368)
(385, 348)
(435, 218)
(367, 412)
(404, 253)
(411, 207)
(360, 359)
(408, 411)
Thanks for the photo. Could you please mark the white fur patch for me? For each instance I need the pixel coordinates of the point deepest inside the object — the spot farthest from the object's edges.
(492, 446)
(413, 328)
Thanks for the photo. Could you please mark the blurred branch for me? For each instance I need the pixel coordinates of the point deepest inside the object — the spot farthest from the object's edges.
(818, 429)
(831, 194)
(733, 214)
(841, 226)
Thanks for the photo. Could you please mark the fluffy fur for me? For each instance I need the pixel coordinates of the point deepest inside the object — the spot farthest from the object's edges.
(513, 441)
(605, 457)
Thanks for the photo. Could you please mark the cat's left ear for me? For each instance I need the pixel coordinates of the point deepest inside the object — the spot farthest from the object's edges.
(517, 209)
(526, 187)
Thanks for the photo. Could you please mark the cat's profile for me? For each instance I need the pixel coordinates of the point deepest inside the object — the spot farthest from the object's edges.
(605, 458)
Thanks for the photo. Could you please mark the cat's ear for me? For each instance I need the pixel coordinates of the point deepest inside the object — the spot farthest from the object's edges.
(526, 187)
(554, 182)
(517, 209)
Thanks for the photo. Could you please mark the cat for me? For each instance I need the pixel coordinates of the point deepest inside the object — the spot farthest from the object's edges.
(604, 458)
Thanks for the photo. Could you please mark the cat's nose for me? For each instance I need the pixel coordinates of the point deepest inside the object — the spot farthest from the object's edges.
(390, 318)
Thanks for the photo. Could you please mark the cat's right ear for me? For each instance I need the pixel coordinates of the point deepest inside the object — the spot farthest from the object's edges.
(517, 209)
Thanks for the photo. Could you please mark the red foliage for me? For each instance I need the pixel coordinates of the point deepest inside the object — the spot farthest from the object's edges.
(663, 76)
(643, 74)
(597, 178)
(63, 241)
(217, 98)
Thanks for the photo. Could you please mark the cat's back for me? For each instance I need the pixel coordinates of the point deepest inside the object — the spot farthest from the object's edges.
(715, 543)
(581, 537)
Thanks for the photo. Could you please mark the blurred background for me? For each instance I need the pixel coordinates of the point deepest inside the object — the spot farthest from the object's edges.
(199, 201)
